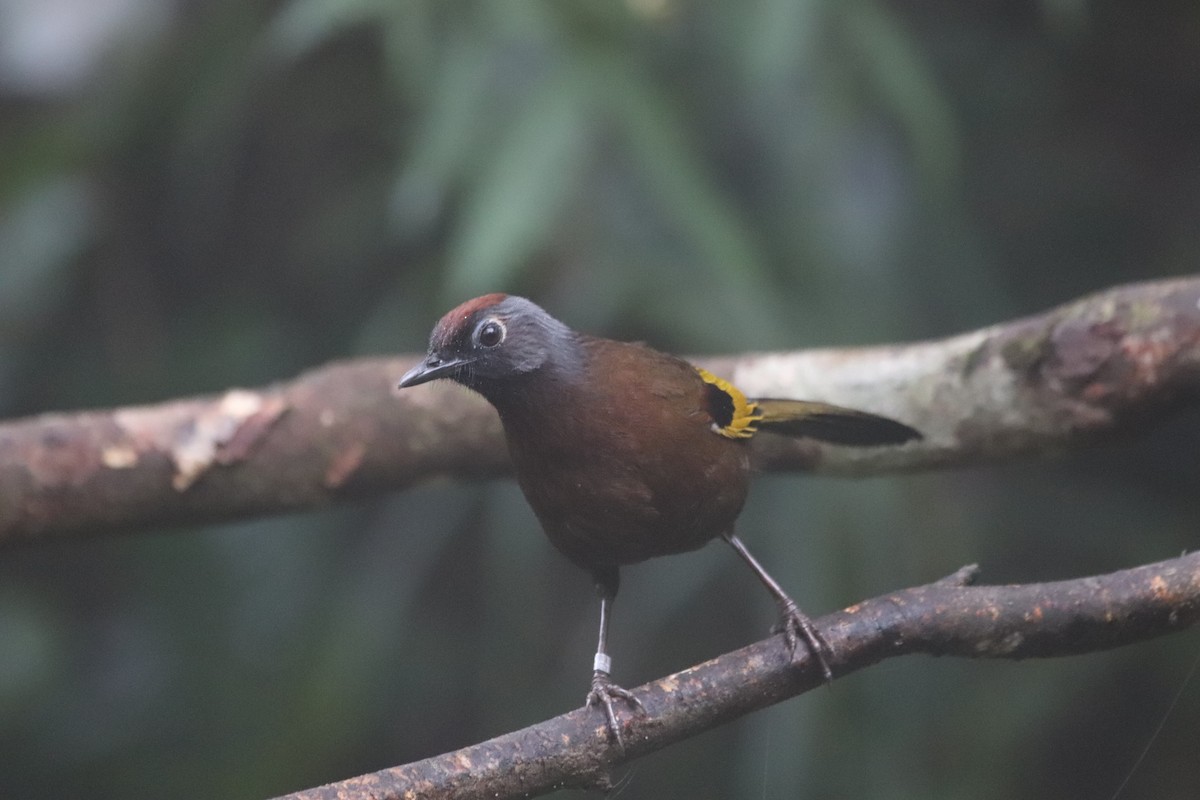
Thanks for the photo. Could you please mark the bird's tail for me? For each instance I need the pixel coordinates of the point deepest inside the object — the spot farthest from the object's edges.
(830, 423)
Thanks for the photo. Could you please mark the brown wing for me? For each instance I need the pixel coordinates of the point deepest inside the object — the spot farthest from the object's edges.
(644, 473)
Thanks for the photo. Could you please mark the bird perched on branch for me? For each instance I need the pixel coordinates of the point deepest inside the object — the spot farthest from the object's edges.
(624, 452)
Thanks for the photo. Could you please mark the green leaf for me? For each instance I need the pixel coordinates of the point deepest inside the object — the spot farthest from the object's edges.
(723, 242)
(522, 190)
(304, 25)
(899, 71)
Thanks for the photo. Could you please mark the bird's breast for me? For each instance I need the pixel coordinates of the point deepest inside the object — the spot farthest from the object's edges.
(615, 486)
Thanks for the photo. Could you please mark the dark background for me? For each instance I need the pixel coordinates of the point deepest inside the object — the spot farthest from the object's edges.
(199, 195)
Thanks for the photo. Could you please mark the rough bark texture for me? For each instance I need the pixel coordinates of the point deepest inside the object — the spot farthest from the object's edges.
(1105, 363)
(1112, 361)
(944, 618)
(337, 432)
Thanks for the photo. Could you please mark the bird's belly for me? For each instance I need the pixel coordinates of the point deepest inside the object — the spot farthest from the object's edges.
(605, 515)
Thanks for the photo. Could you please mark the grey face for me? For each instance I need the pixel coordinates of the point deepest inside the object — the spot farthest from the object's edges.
(491, 344)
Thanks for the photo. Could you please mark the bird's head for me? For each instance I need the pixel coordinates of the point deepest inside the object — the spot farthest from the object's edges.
(486, 342)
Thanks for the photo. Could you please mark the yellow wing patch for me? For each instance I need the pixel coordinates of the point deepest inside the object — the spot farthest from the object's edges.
(733, 415)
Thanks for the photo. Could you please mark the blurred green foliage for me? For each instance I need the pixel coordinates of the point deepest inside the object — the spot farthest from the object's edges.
(247, 189)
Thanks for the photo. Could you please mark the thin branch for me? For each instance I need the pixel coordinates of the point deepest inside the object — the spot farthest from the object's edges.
(944, 618)
(1079, 373)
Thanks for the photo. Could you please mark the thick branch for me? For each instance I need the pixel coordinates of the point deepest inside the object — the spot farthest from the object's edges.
(944, 618)
(1075, 374)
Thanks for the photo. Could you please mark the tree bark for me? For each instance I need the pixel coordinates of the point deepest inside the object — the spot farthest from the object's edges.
(943, 618)
(1085, 371)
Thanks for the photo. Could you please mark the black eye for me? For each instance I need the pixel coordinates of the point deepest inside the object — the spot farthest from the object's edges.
(490, 333)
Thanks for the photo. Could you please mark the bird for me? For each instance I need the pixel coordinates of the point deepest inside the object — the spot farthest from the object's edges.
(626, 453)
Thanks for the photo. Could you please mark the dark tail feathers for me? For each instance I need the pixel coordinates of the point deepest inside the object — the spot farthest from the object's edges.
(829, 423)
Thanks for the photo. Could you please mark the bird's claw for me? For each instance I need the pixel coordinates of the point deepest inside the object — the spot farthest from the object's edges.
(603, 692)
(795, 625)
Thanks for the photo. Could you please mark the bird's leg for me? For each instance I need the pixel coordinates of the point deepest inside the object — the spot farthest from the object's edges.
(793, 622)
(604, 691)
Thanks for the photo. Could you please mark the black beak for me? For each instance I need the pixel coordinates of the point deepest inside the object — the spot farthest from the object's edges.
(433, 367)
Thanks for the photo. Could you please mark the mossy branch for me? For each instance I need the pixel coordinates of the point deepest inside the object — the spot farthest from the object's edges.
(1089, 370)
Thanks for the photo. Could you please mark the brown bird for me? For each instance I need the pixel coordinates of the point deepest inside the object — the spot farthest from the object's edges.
(624, 452)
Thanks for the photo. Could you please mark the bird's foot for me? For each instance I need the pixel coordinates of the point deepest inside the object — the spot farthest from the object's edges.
(603, 693)
(795, 625)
